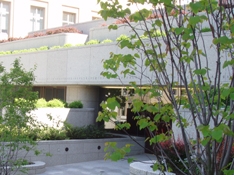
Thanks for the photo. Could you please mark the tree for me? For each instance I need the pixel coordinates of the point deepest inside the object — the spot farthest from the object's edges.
(190, 49)
(16, 101)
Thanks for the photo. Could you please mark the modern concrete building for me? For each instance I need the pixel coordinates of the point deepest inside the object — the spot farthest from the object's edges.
(19, 17)
(71, 73)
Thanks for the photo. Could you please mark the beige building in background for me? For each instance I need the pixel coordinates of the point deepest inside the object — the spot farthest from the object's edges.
(19, 17)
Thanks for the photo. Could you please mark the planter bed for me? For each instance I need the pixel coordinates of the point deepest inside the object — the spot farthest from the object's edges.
(74, 151)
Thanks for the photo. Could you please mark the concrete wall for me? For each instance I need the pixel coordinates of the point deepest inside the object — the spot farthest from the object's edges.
(83, 65)
(76, 117)
(49, 40)
(79, 150)
(88, 95)
(70, 66)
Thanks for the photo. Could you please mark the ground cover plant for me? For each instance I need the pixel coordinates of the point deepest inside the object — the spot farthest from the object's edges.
(182, 56)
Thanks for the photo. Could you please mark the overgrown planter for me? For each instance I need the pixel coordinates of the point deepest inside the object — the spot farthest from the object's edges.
(48, 40)
(74, 116)
(80, 150)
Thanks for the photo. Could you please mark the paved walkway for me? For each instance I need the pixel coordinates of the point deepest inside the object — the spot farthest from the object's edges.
(99, 167)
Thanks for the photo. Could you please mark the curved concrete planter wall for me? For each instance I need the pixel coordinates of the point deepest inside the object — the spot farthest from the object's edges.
(76, 117)
(37, 167)
(143, 168)
(48, 40)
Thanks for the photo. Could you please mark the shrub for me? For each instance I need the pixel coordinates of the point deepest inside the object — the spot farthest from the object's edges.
(43, 48)
(55, 103)
(67, 45)
(106, 41)
(75, 104)
(91, 42)
(79, 45)
(56, 47)
(51, 133)
(85, 132)
(122, 37)
(41, 103)
(31, 50)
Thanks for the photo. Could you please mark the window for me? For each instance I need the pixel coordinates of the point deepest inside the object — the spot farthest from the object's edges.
(49, 92)
(70, 15)
(4, 17)
(95, 15)
(37, 18)
(69, 18)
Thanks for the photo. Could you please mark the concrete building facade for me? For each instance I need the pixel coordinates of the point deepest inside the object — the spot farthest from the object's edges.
(19, 17)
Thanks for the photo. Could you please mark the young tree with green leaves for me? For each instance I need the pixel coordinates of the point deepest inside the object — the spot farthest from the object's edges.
(16, 101)
(170, 48)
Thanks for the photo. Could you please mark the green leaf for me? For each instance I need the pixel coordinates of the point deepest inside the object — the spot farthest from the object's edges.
(232, 96)
(200, 71)
(217, 134)
(158, 23)
(205, 141)
(204, 129)
(112, 103)
(194, 20)
(137, 105)
(130, 160)
(225, 93)
(113, 27)
(228, 172)
(155, 167)
(143, 123)
(178, 31)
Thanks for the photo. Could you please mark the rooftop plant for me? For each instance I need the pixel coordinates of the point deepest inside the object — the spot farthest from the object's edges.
(47, 32)
(91, 42)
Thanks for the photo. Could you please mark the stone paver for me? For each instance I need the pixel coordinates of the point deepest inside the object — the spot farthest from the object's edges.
(99, 167)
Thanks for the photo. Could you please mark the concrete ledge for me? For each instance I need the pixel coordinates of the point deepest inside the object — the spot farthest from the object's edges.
(48, 40)
(76, 117)
(143, 168)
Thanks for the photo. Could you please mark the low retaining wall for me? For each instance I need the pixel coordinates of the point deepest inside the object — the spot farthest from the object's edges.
(76, 117)
(74, 151)
(48, 40)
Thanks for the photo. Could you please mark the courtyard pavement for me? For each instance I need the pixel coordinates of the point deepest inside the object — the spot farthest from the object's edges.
(98, 167)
